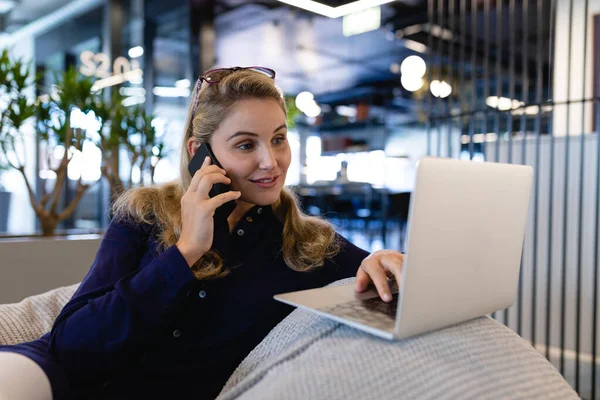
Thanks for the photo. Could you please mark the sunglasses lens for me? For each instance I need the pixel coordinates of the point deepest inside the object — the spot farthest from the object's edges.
(215, 75)
(265, 71)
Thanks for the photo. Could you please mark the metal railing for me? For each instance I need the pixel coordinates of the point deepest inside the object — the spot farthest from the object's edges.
(526, 80)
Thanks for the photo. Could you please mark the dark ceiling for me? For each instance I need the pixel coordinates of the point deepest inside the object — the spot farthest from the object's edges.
(309, 51)
(27, 11)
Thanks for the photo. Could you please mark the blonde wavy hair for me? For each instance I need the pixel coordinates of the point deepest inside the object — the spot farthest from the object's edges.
(307, 241)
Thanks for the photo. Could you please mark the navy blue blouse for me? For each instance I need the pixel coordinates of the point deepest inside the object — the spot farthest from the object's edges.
(141, 326)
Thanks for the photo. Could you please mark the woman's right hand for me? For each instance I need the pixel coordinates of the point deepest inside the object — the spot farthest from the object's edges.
(198, 209)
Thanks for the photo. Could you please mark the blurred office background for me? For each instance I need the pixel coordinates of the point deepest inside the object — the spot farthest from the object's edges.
(378, 85)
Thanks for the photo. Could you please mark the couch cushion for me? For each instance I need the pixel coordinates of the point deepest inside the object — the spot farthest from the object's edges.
(311, 357)
(34, 316)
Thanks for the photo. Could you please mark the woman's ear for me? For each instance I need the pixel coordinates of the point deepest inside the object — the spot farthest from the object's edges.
(192, 146)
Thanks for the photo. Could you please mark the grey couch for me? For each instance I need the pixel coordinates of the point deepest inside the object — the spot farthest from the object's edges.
(310, 357)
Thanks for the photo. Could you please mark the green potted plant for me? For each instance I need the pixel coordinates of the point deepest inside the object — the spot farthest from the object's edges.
(293, 111)
(121, 127)
(52, 124)
(147, 150)
(112, 115)
(130, 128)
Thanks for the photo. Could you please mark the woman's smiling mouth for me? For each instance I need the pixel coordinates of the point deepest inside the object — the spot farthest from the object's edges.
(266, 183)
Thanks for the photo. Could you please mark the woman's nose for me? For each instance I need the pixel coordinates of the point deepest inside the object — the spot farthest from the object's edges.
(268, 161)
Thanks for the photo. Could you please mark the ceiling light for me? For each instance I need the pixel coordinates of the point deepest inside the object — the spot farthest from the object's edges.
(529, 110)
(304, 100)
(132, 91)
(183, 83)
(335, 12)
(411, 82)
(362, 21)
(440, 89)
(440, 32)
(133, 101)
(503, 103)
(136, 51)
(413, 66)
(346, 111)
(314, 110)
(7, 5)
(136, 80)
(415, 46)
(492, 101)
(165, 91)
(479, 138)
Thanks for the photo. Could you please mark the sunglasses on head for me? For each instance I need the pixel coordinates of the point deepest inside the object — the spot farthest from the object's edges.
(215, 76)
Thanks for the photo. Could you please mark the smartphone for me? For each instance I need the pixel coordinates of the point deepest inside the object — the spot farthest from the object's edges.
(196, 163)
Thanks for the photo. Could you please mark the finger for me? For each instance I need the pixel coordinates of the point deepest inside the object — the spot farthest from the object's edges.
(198, 175)
(362, 280)
(223, 198)
(208, 181)
(207, 161)
(379, 278)
(206, 170)
(393, 263)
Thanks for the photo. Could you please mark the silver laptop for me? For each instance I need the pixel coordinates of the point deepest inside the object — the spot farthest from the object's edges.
(465, 237)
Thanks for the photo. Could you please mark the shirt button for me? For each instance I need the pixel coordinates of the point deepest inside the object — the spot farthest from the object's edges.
(249, 219)
(240, 232)
(259, 211)
(176, 333)
(202, 294)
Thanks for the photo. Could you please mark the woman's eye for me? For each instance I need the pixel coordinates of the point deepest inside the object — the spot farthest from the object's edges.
(245, 146)
(279, 140)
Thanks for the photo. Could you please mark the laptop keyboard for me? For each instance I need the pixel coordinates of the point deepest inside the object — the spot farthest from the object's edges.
(372, 312)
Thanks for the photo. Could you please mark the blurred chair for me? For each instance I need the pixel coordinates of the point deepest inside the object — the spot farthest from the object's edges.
(308, 198)
(351, 206)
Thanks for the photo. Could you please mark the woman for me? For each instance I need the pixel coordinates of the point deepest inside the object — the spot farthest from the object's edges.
(177, 297)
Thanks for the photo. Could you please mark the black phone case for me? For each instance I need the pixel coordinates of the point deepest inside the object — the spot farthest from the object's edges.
(203, 151)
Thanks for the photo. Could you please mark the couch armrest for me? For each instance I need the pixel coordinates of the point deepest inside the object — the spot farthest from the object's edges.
(22, 379)
(308, 356)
